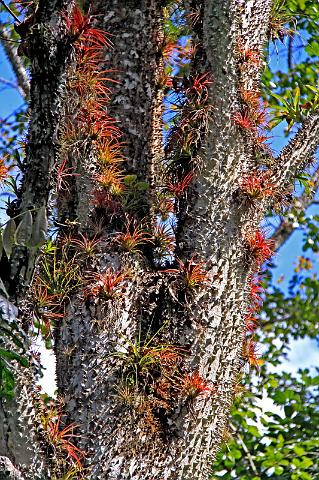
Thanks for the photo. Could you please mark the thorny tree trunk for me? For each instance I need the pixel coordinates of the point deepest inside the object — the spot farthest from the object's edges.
(120, 442)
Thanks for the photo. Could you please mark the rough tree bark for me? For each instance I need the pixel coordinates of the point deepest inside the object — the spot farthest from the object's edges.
(150, 436)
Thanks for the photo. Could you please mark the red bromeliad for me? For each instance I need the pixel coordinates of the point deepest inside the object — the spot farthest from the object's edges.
(193, 272)
(112, 179)
(62, 439)
(248, 55)
(258, 185)
(250, 353)
(106, 285)
(63, 173)
(178, 188)
(245, 121)
(132, 239)
(194, 385)
(260, 248)
(79, 26)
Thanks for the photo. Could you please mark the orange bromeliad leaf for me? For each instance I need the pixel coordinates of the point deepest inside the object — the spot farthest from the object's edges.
(195, 273)
(179, 187)
(79, 25)
(245, 121)
(194, 385)
(107, 284)
(3, 170)
(260, 248)
(111, 178)
(109, 152)
(61, 438)
(251, 97)
(258, 185)
(247, 54)
(132, 239)
(250, 353)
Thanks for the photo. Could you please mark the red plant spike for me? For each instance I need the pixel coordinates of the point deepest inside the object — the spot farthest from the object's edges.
(258, 185)
(245, 121)
(194, 385)
(260, 248)
(79, 25)
(194, 272)
(251, 323)
(132, 239)
(250, 353)
(62, 173)
(61, 438)
(256, 290)
(107, 284)
(178, 188)
(248, 55)
(199, 87)
(251, 98)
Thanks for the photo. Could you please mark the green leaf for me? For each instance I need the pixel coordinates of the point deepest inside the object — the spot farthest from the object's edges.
(8, 237)
(13, 356)
(24, 229)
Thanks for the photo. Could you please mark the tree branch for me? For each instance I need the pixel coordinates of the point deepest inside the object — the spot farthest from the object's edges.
(16, 63)
(246, 450)
(136, 64)
(299, 151)
(285, 229)
(9, 11)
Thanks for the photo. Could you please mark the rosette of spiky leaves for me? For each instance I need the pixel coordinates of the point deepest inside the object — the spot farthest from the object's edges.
(163, 241)
(58, 274)
(61, 440)
(193, 385)
(196, 88)
(109, 152)
(91, 86)
(81, 29)
(180, 186)
(251, 322)
(104, 200)
(106, 285)
(85, 246)
(259, 248)
(133, 238)
(245, 121)
(46, 305)
(144, 364)
(164, 205)
(111, 178)
(251, 98)
(63, 174)
(192, 271)
(288, 109)
(256, 290)
(280, 18)
(247, 55)
(251, 354)
(258, 185)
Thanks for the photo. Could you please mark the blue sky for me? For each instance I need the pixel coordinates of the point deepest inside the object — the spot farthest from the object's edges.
(10, 99)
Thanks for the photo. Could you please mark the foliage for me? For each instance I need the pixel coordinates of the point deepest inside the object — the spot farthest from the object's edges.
(11, 341)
